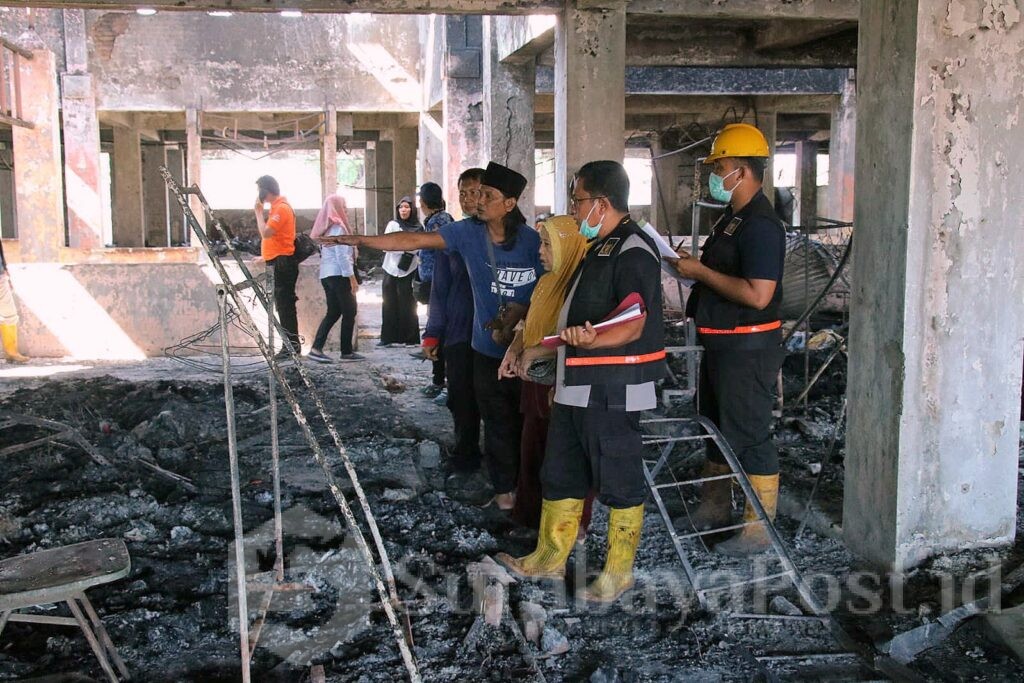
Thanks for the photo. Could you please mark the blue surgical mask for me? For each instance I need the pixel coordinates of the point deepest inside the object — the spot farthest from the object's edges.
(716, 184)
(586, 229)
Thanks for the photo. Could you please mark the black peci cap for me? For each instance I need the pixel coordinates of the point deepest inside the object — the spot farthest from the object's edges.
(505, 179)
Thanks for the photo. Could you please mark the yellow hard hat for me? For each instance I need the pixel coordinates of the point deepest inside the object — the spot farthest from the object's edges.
(738, 140)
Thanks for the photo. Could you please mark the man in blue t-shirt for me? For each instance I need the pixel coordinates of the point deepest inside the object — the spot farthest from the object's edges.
(502, 256)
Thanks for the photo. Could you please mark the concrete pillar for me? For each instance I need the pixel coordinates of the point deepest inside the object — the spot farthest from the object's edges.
(329, 154)
(590, 89)
(508, 95)
(180, 233)
(194, 159)
(767, 122)
(463, 101)
(841, 148)
(385, 196)
(431, 150)
(665, 196)
(8, 213)
(403, 174)
(936, 322)
(806, 183)
(81, 139)
(126, 174)
(38, 168)
(380, 193)
(154, 195)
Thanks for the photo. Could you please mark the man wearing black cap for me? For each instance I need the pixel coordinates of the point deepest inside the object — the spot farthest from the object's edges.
(503, 261)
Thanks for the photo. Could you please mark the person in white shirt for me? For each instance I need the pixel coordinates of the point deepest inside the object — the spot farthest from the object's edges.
(399, 324)
(338, 278)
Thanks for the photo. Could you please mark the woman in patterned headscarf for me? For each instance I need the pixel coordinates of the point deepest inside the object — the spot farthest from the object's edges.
(338, 278)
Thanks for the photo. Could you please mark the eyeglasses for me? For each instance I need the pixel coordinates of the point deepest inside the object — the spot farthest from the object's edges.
(468, 194)
(574, 202)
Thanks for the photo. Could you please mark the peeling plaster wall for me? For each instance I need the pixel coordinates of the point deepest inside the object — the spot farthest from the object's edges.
(937, 321)
(254, 62)
(48, 24)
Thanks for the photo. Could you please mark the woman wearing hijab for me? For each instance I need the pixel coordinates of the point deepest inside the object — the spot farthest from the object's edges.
(562, 247)
(399, 324)
(338, 278)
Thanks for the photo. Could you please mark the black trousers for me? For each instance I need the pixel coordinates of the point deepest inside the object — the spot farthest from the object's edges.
(594, 448)
(503, 423)
(437, 366)
(462, 403)
(399, 324)
(286, 273)
(341, 303)
(737, 391)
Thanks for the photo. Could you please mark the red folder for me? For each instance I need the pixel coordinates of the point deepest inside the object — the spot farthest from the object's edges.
(609, 322)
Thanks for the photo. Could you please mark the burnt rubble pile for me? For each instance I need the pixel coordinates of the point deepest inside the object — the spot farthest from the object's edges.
(172, 617)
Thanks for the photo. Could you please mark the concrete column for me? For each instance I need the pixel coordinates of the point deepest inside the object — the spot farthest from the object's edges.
(806, 183)
(81, 139)
(766, 122)
(508, 95)
(937, 322)
(154, 195)
(8, 214)
(329, 154)
(590, 89)
(385, 196)
(463, 101)
(180, 233)
(38, 169)
(126, 183)
(841, 155)
(403, 175)
(431, 152)
(665, 195)
(370, 193)
(194, 159)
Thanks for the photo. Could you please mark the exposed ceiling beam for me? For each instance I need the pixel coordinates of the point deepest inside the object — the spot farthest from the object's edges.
(784, 35)
(839, 10)
(745, 10)
(646, 47)
(315, 6)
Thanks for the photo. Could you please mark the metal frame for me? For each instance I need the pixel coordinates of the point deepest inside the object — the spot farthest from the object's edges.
(708, 432)
(230, 293)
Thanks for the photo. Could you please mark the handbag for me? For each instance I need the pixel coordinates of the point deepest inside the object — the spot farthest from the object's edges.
(305, 247)
(543, 371)
(406, 260)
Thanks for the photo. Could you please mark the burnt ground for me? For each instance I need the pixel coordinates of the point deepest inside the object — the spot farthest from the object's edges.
(170, 617)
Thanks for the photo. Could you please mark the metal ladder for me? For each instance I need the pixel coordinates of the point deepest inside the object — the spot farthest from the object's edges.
(230, 295)
(661, 477)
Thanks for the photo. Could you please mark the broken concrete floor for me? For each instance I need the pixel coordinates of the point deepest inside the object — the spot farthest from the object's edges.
(170, 618)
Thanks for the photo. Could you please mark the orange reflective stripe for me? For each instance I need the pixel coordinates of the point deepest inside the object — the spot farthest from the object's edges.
(750, 329)
(615, 360)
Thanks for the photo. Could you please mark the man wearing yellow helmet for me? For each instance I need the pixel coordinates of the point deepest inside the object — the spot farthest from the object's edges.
(735, 304)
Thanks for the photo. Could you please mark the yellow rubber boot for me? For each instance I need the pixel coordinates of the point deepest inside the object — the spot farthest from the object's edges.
(559, 521)
(753, 539)
(9, 335)
(715, 509)
(616, 578)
